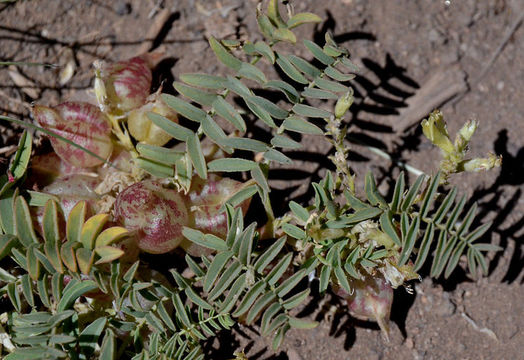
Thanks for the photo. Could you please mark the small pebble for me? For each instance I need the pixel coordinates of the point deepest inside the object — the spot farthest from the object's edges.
(123, 8)
(409, 343)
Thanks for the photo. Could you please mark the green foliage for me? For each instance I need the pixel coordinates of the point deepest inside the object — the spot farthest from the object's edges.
(74, 297)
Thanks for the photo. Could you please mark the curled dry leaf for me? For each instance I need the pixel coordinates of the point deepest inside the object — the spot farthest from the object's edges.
(81, 123)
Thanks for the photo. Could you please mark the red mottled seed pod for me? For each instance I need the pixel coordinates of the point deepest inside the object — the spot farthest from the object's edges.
(371, 299)
(206, 197)
(72, 189)
(126, 83)
(83, 124)
(155, 213)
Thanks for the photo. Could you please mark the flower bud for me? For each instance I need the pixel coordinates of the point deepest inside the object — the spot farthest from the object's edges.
(343, 104)
(483, 164)
(81, 123)
(434, 128)
(124, 85)
(157, 215)
(142, 128)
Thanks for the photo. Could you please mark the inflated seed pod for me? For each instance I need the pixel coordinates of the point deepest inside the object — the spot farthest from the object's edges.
(81, 123)
(124, 85)
(371, 299)
(206, 197)
(155, 214)
(143, 129)
(69, 190)
(48, 167)
(72, 189)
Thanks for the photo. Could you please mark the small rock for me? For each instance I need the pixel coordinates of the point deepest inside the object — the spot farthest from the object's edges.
(293, 355)
(409, 343)
(445, 307)
(123, 8)
(418, 355)
(500, 85)
(436, 37)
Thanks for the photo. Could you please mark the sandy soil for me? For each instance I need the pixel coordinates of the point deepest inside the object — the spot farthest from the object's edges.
(398, 46)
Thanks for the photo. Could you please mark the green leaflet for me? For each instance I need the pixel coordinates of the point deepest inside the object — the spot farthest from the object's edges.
(155, 168)
(185, 109)
(231, 165)
(337, 75)
(21, 159)
(318, 53)
(275, 111)
(228, 112)
(159, 154)
(283, 141)
(7, 209)
(194, 149)
(260, 112)
(304, 66)
(204, 80)
(108, 349)
(294, 231)
(286, 88)
(302, 18)
(88, 339)
(299, 211)
(319, 94)
(245, 144)
(290, 70)
(330, 85)
(275, 155)
(73, 291)
(24, 225)
(194, 94)
(310, 111)
(207, 240)
(302, 324)
(7, 242)
(300, 125)
(223, 55)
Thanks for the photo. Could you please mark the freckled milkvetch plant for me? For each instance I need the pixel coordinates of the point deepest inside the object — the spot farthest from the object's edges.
(128, 176)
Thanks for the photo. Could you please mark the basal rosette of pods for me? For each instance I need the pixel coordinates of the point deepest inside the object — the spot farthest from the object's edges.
(127, 177)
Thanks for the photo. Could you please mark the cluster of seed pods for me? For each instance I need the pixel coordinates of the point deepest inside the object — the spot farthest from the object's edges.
(153, 213)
